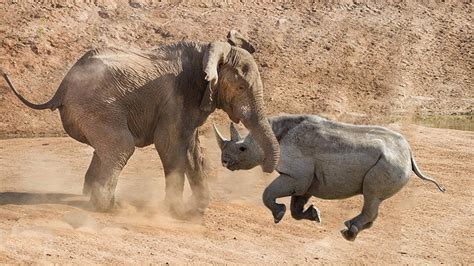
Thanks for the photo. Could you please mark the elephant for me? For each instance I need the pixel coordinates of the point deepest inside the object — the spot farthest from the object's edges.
(117, 99)
(328, 160)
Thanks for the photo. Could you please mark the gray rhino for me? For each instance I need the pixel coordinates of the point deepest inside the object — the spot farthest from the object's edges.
(115, 100)
(328, 160)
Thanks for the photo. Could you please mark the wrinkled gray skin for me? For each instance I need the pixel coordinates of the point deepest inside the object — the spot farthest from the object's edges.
(328, 160)
(115, 100)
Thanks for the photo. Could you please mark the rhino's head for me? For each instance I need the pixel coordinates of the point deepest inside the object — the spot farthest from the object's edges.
(239, 153)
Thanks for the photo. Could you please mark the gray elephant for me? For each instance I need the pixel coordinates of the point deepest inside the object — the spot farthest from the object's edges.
(328, 160)
(115, 100)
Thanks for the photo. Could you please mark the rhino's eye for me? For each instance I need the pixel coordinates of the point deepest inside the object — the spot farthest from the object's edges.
(242, 148)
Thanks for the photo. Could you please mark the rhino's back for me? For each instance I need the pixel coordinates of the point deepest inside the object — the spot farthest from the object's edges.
(337, 155)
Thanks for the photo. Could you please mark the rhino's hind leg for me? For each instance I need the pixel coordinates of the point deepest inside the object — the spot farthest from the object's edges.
(368, 225)
(381, 182)
(297, 206)
(282, 186)
(362, 221)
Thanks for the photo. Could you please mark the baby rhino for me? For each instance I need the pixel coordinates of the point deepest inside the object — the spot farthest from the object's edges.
(328, 160)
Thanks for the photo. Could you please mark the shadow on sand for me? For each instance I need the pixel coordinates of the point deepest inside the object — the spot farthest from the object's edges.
(28, 198)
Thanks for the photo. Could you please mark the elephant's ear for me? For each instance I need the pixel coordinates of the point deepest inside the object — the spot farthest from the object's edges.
(236, 39)
(214, 55)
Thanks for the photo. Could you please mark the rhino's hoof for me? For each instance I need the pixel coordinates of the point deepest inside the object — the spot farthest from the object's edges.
(315, 213)
(347, 224)
(350, 234)
(279, 215)
(368, 225)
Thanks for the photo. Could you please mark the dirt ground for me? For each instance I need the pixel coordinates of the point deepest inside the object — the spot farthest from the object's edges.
(45, 219)
(361, 61)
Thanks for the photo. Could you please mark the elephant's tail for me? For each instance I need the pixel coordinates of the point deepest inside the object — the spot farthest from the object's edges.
(51, 104)
(415, 169)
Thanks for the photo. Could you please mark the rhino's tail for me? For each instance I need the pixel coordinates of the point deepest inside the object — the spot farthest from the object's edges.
(51, 104)
(415, 169)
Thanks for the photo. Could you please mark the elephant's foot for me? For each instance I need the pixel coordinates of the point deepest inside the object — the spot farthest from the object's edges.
(102, 197)
(176, 208)
(86, 189)
(196, 205)
(193, 214)
(351, 232)
(102, 203)
(185, 214)
(313, 214)
(278, 212)
(178, 211)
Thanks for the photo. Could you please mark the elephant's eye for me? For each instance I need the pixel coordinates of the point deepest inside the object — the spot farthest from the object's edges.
(241, 88)
(242, 148)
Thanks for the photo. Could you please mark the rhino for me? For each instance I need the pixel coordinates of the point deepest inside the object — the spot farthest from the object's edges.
(328, 160)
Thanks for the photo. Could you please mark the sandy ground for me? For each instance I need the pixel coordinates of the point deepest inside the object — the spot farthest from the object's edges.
(45, 219)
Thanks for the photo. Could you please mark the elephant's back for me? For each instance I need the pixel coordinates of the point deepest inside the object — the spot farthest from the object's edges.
(113, 85)
(110, 66)
(108, 76)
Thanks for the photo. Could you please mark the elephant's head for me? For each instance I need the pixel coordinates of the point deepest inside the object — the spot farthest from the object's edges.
(234, 85)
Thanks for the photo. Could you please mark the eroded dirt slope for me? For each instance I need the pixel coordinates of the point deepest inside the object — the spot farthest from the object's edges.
(354, 60)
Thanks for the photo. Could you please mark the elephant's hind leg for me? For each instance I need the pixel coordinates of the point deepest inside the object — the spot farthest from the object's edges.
(91, 175)
(297, 206)
(113, 148)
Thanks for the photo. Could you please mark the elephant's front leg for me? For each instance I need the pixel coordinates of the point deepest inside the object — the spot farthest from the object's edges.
(173, 156)
(197, 176)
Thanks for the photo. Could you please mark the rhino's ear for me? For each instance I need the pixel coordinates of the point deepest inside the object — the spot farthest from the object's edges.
(220, 139)
(234, 38)
(234, 133)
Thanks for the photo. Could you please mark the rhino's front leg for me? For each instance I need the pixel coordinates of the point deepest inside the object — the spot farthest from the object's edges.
(282, 186)
(297, 207)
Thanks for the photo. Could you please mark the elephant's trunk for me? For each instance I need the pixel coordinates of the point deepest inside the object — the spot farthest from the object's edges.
(260, 128)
